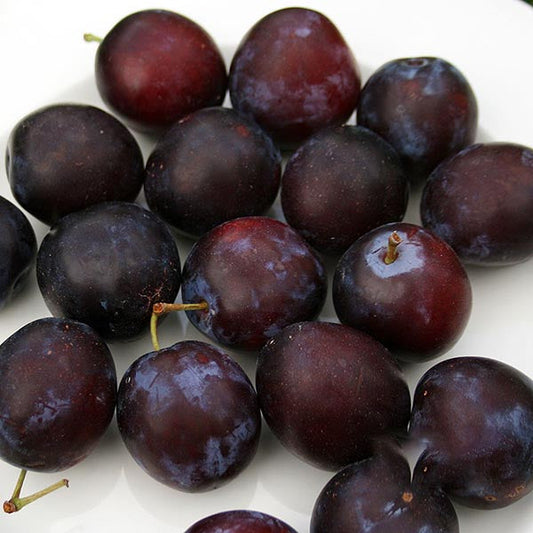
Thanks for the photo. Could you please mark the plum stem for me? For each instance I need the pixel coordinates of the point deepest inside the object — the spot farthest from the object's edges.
(161, 308)
(392, 252)
(16, 502)
(90, 38)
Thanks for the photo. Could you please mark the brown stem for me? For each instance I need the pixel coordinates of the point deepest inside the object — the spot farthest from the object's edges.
(392, 252)
(161, 308)
(16, 502)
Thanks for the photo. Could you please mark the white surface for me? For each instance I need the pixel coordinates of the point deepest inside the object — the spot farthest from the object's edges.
(44, 60)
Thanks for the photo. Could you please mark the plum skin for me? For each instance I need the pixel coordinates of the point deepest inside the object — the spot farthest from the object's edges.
(376, 495)
(107, 265)
(480, 201)
(293, 73)
(65, 157)
(257, 275)
(156, 66)
(424, 106)
(330, 392)
(418, 306)
(339, 184)
(18, 250)
(240, 521)
(212, 166)
(189, 416)
(58, 395)
(474, 418)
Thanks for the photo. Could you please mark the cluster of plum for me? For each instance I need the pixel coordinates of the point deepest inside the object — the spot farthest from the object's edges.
(334, 393)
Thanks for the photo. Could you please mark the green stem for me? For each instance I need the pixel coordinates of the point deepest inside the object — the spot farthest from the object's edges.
(16, 502)
(90, 38)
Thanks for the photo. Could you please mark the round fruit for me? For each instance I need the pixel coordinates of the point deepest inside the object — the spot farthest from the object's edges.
(107, 265)
(424, 106)
(18, 248)
(257, 275)
(58, 394)
(65, 157)
(377, 496)
(294, 73)
(156, 66)
(480, 201)
(330, 392)
(210, 167)
(341, 183)
(407, 288)
(240, 521)
(474, 417)
(189, 416)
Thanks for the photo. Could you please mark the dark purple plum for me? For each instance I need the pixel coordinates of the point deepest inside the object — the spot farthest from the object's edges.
(341, 183)
(107, 265)
(330, 393)
(240, 521)
(18, 249)
(189, 416)
(424, 106)
(58, 394)
(256, 275)
(65, 157)
(406, 287)
(480, 201)
(294, 73)
(156, 66)
(212, 166)
(376, 496)
(474, 418)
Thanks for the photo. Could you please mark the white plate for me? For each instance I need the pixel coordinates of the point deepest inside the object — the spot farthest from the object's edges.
(44, 60)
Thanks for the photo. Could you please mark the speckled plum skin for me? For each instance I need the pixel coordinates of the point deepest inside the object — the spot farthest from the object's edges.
(418, 306)
(257, 275)
(376, 496)
(106, 266)
(480, 201)
(212, 166)
(474, 418)
(58, 394)
(424, 106)
(330, 393)
(156, 66)
(294, 74)
(65, 157)
(339, 184)
(240, 521)
(18, 249)
(189, 416)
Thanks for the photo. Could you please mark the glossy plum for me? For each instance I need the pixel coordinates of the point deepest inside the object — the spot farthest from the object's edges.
(58, 394)
(65, 157)
(18, 249)
(257, 275)
(294, 73)
(156, 66)
(474, 418)
(330, 393)
(341, 183)
(189, 416)
(107, 265)
(212, 166)
(406, 287)
(376, 496)
(240, 521)
(424, 106)
(480, 201)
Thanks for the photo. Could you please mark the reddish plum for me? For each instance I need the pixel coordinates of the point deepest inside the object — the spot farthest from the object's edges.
(256, 275)
(294, 73)
(406, 287)
(330, 393)
(240, 521)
